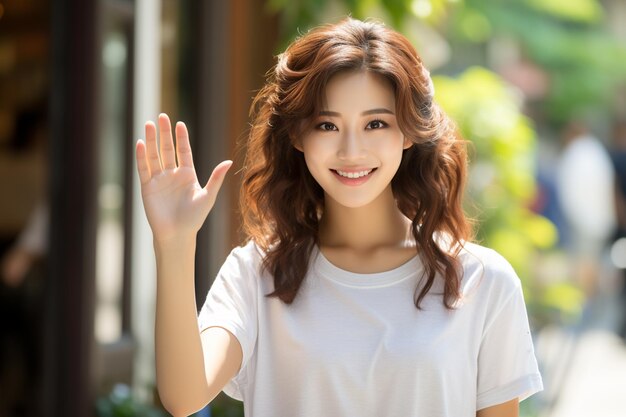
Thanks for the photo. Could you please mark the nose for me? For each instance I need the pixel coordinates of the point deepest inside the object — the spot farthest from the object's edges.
(351, 147)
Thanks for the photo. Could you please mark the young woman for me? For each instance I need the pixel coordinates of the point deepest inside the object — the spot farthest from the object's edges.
(359, 292)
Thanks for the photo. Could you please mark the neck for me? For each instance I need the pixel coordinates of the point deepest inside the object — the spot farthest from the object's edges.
(378, 225)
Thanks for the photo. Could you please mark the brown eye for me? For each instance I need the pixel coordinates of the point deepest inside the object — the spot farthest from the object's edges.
(376, 124)
(326, 126)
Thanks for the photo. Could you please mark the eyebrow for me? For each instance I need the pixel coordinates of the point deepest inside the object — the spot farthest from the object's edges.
(365, 113)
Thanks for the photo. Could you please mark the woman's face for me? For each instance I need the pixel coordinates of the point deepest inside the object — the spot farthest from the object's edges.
(355, 145)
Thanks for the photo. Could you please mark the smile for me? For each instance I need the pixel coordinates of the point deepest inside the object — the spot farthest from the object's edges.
(357, 174)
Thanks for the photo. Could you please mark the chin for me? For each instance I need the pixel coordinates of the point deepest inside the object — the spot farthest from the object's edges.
(352, 203)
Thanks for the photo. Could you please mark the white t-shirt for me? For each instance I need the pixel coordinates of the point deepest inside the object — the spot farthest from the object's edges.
(356, 345)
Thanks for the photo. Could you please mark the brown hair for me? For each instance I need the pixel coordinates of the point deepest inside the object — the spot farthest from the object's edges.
(281, 203)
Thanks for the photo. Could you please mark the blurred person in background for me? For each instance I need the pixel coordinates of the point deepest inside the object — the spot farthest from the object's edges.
(585, 192)
(22, 253)
(29, 248)
(618, 156)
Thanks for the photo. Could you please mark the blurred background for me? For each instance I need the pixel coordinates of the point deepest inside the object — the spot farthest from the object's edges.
(537, 86)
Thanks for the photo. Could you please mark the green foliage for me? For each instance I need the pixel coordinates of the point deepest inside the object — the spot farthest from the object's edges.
(588, 11)
(470, 25)
(564, 299)
(120, 403)
(502, 181)
(566, 38)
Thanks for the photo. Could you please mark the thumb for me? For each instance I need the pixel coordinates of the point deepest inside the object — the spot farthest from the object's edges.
(217, 178)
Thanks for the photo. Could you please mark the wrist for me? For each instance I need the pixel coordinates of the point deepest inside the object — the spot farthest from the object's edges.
(175, 261)
(174, 244)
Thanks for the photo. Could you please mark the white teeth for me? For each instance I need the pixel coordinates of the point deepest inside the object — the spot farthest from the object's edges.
(354, 174)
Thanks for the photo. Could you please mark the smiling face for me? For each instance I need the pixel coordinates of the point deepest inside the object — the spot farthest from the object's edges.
(354, 146)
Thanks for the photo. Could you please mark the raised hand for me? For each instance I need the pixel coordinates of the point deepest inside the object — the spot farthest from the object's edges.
(175, 203)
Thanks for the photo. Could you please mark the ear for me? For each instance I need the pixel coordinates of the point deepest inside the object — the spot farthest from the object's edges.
(296, 141)
(407, 143)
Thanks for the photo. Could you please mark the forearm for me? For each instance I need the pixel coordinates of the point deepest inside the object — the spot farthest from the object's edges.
(176, 207)
(181, 379)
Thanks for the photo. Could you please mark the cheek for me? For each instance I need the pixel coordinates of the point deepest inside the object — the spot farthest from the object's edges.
(317, 149)
(391, 150)
(315, 153)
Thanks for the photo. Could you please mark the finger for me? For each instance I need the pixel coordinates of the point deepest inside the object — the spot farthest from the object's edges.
(151, 149)
(217, 178)
(168, 157)
(142, 162)
(183, 149)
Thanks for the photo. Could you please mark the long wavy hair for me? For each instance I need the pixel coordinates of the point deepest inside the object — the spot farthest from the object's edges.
(282, 203)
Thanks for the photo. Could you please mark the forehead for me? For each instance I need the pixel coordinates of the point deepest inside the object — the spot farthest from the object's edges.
(358, 91)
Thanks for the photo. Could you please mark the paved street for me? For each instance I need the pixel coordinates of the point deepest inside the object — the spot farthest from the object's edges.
(596, 383)
(589, 366)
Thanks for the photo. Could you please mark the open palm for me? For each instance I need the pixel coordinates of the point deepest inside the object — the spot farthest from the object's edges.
(175, 203)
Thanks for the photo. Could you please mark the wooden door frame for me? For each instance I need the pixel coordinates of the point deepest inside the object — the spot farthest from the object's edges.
(68, 376)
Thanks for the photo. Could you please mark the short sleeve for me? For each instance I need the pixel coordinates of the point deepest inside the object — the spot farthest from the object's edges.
(507, 366)
(232, 304)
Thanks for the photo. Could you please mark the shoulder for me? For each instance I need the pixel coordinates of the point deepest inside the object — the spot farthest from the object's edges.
(487, 270)
(249, 251)
(247, 257)
(473, 254)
